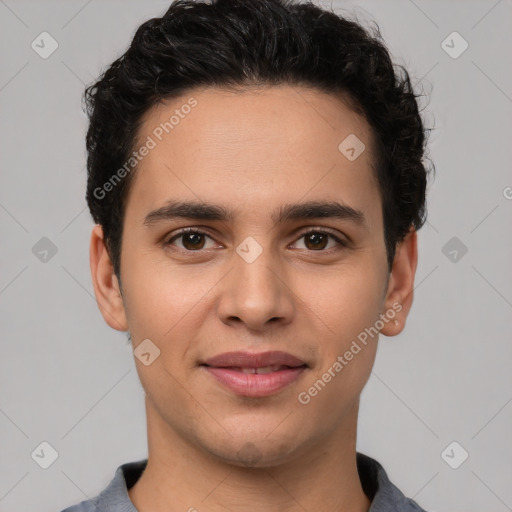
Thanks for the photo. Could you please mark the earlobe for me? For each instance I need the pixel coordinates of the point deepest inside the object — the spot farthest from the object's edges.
(400, 293)
(106, 285)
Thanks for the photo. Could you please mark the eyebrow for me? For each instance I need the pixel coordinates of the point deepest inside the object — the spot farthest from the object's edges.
(287, 212)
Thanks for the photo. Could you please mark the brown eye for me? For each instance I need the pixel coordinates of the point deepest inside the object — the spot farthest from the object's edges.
(191, 240)
(317, 240)
(194, 240)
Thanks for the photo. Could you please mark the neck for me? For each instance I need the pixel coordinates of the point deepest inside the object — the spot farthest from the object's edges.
(181, 477)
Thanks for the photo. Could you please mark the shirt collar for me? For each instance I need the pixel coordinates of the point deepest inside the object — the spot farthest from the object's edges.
(384, 496)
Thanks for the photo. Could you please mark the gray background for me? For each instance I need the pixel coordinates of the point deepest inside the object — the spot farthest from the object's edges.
(68, 379)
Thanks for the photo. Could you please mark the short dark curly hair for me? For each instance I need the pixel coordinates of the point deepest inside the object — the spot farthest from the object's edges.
(230, 43)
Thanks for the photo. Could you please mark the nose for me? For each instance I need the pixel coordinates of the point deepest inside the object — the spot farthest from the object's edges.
(256, 294)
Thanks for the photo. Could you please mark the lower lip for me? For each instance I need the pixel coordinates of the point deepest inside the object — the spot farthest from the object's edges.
(253, 384)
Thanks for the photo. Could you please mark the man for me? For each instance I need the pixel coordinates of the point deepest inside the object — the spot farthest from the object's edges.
(257, 180)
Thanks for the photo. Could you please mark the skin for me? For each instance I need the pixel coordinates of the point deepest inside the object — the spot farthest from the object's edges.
(253, 151)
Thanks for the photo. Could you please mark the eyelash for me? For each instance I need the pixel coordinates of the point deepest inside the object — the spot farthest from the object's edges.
(321, 231)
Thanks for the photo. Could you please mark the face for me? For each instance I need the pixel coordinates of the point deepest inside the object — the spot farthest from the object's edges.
(283, 271)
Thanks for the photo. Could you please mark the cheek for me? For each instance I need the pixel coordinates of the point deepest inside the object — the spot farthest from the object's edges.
(343, 302)
(343, 316)
(167, 306)
(159, 296)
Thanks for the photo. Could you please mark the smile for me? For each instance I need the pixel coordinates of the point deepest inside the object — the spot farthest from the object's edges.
(255, 375)
(256, 382)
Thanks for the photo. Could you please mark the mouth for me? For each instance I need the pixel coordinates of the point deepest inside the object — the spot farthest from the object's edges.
(255, 375)
(259, 370)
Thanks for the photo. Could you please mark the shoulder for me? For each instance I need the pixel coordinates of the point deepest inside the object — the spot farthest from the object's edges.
(115, 496)
(385, 496)
(84, 506)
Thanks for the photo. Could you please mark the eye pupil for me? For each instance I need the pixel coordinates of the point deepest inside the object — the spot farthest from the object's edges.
(316, 239)
(193, 238)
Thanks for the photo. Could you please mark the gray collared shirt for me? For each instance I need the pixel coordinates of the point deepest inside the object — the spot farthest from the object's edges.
(384, 495)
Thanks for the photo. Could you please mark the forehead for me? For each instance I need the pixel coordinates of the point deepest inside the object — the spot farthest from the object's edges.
(245, 146)
(267, 114)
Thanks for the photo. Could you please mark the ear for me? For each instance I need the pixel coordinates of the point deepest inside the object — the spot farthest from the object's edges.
(106, 285)
(399, 295)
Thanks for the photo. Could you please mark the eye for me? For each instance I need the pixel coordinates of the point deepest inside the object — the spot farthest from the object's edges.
(317, 239)
(193, 240)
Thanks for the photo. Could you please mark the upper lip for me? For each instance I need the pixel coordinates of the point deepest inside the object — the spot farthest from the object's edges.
(254, 360)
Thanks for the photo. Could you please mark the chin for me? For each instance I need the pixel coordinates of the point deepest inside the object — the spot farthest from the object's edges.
(254, 453)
